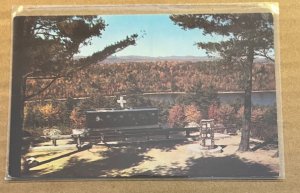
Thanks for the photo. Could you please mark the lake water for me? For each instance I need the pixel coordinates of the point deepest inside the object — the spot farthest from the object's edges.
(263, 98)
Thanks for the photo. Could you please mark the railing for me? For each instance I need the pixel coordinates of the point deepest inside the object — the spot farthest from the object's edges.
(119, 135)
(98, 135)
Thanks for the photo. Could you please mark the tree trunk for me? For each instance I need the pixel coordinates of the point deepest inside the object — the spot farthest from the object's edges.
(245, 137)
(17, 99)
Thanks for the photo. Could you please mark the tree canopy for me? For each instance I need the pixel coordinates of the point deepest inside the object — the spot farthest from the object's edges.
(245, 36)
(50, 43)
(44, 47)
(239, 31)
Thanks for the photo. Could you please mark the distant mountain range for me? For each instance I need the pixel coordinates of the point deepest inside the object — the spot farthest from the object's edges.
(113, 59)
(118, 59)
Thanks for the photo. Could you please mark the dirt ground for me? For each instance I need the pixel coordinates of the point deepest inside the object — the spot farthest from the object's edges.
(164, 159)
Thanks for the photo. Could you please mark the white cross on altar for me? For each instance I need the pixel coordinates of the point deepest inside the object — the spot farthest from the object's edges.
(121, 101)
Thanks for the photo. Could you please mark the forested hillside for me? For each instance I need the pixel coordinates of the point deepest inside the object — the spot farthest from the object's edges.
(157, 76)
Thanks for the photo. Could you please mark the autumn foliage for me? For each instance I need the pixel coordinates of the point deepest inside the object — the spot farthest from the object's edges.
(146, 77)
(263, 119)
(192, 114)
(176, 116)
(180, 115)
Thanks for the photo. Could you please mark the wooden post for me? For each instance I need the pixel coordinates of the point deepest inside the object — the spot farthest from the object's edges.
(54, 142)
(78, 142)
(101, 138)
(187, 133)
(168, 135)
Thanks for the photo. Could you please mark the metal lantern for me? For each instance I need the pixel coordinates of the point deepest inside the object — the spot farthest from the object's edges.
(207, 133)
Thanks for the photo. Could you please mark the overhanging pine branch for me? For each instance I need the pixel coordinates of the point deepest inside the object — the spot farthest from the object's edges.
(109, 50)
(85, 62)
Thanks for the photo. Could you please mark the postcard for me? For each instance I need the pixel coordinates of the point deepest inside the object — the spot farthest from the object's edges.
(165, 94)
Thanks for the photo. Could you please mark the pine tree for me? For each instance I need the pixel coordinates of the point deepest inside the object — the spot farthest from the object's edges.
(245, 36)
(44, 47)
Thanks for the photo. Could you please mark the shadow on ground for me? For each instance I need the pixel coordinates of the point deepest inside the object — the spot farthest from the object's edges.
(120, 158)
(115, 158)
(215, 167)
(267, 145)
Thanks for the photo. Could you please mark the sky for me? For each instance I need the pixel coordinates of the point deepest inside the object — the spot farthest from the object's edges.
(162, 37)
